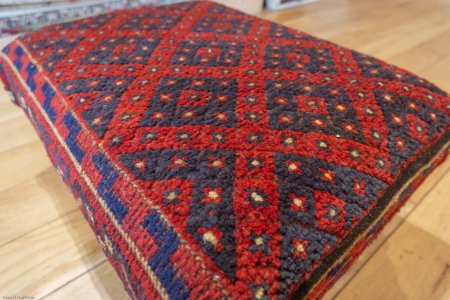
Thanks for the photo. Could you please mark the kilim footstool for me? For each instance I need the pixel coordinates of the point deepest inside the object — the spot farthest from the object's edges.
(221, 156)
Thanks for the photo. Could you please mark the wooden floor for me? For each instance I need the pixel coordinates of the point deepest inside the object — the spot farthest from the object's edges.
(48, 251)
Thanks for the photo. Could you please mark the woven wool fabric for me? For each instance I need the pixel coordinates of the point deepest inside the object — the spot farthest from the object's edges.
(218, 155)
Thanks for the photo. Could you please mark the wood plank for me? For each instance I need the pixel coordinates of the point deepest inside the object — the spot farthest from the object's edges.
(100, 283)
(22, 164)
(248, 6)
(39, 200)
(425, 55)
(417, 59)
(8, 110)
(440, 43)
(408, 35)
(18, 131)
(414, 263)
(439, 73)
(354, 26)
(43, 260)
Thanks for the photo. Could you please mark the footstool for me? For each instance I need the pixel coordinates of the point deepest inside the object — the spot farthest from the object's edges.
(217, 155)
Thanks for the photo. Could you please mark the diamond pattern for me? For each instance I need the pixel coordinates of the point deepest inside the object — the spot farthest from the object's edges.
(250, 151)
(123, 50)
(54, 50)
(150, 22)
(208, 53)
(223, 26)
(298, 58)
(308, 107)
(103, 101)
(182, 101)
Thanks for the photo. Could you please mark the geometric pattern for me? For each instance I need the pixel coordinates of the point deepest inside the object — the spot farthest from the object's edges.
(182, 164)
(208, 53)
(292, 58)
(222, 26)
(281, 31)
(103, 101)
(53, 55)
(217, 155)
(407, 120)
(371, 67)
(124, 50)
(319, 209)
(309, 107)
(182, 101)
(211, 216)
(150, 22)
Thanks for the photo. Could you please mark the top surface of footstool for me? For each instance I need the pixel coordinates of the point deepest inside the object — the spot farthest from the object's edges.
(221, 155)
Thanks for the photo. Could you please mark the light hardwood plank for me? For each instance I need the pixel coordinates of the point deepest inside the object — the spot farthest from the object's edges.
(40, 200)
(48, 257)
(382, 28)
(22, 164)
(18, 131)
(425, 55)
(100, 283)
(8, 110)
(439, 73)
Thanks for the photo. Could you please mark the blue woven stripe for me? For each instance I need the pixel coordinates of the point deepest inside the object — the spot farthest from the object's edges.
(31, 70)
(104, 188)
(18, 61)
(74, 128)
(48, 93)
(167, 242)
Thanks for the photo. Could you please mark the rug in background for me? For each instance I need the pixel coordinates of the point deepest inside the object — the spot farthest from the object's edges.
(20, 16)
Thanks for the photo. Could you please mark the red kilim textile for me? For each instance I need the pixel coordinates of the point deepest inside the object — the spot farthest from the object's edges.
(217, 155)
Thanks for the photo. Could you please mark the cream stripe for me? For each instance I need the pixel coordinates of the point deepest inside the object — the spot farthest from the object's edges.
(198, 259)
(125, 236)
(392, 203)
